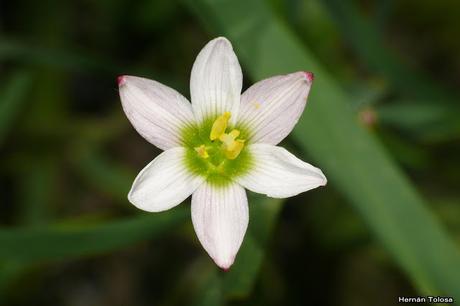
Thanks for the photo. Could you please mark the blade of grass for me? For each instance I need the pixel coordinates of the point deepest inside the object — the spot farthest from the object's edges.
(12, 99)
(9, 272)
(24, 247)
(12, 50)
(45, 56)
(352, 159)
(37, 180)
(108, 177)
(54, 242)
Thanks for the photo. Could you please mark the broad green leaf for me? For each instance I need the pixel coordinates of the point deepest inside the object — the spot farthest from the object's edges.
(54, 242)
(350, 156)
(12, 99)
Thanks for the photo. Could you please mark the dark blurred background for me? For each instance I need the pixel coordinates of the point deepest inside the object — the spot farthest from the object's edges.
(68, 156)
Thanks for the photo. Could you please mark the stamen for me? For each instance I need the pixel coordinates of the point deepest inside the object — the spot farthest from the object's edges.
(234, 134)
(234, 150)
(219, 126)
(229, 138)
(201, 150)
(231, 147)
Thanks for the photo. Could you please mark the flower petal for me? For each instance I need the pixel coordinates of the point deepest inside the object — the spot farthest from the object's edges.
(156, 111)
(279, 174)
(271, 108)
(164, 183)
(216, 81)
(220, 217)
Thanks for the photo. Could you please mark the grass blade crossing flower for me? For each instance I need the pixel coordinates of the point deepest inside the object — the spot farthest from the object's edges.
(218, 145)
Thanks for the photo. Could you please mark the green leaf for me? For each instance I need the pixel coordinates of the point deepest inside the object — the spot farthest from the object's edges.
(351, 158)
(54, 242)
(12, 99)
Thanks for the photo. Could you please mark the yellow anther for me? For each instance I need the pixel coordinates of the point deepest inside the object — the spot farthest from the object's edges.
(201, 150)
(229, 138)
(219, 126)
(231, 146)
(234, 149)
(234, 134)
(257, 105)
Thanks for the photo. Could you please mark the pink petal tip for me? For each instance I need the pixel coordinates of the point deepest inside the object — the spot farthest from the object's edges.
(309, 76)
(121, 80)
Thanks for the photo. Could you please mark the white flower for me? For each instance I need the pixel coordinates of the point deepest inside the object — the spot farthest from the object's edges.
(221, 143)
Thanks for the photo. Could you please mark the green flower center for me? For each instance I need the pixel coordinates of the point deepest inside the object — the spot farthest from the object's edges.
(215, 154)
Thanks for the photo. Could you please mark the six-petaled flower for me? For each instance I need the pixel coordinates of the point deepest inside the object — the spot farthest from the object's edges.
(219, 144)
